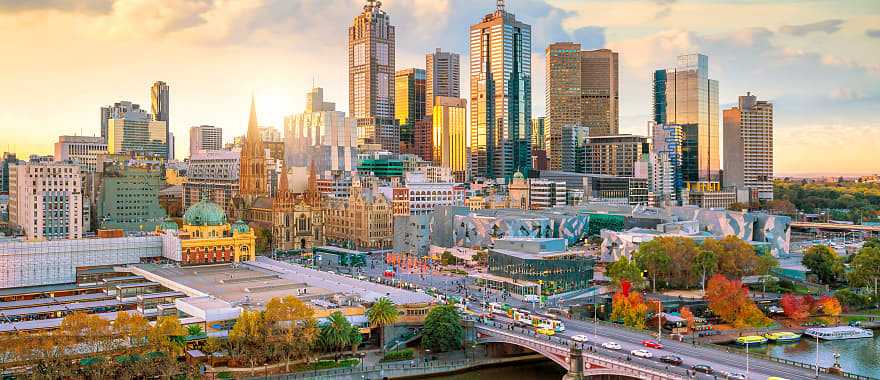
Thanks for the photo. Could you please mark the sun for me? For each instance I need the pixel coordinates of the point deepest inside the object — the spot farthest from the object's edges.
(273, 104)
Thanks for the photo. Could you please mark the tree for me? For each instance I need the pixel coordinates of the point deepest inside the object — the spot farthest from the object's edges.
(830, 309)
(442, 331)
(247, 338)
(688, 316)
(737, 206)
(88, 331)
(134, 327)
(730, 302)
(336, 334)
(625, 270)
(781, 206)
(682, 253)
(796, 308)
(653, 258)
(706, 262)
(630, 308)
(168, 336)
(736, 257)
(865, 269)
(292, 326)
(823, 262)
(382, 313)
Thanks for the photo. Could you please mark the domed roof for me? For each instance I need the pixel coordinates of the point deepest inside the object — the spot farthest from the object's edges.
(168, 224)
(205, 213)
(518, 175)
(240, 226)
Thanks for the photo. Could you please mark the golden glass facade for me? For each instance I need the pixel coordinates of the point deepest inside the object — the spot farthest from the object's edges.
(450, 135)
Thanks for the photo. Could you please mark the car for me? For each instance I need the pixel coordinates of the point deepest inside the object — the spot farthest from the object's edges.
(579, 338)
(642, 353)
(735, 376)
(703, 368)
(671, 359)
(652, 344)
(611, 345)
(544, 331)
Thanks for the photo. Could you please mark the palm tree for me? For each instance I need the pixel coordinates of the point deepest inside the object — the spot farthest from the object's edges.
(383, 313)
(336, 333)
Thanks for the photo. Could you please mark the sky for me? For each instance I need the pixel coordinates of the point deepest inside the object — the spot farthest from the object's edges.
(817, 61)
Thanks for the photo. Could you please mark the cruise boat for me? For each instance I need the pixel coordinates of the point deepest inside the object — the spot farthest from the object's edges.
(840, 332)
(751, 340)
(782, 337)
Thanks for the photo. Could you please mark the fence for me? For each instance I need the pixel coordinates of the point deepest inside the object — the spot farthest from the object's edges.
(411, 368)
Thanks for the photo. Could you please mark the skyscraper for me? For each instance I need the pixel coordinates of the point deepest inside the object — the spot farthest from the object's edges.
(409, 104)
(748, 146)
(160, 110)
(450, 135)
(581, 90)
(442, 77)
(45, 200)
(320, 135)
(135, 131)
(117, 110)
(371, 77)
(666, 182)
(685, 95)
(205, 137)
(573, 148)
(501, 93)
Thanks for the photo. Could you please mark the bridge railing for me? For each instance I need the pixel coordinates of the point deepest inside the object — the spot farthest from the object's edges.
(413, 368)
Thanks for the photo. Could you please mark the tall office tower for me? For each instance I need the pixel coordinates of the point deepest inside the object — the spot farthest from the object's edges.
(748, 146)
(45, 200)
(214, 174)
(685, 95)
(137, 132)
(115, 111)
(160, 110)
(501, 93)
(442, 77)
(409, 104)
(82, 150)
(8, 159)
(573, 148)
(538, 134)
(321, 135)
(205, 137)
(615, 155)
(450, 135)
(666, 182)
(581, 89)
(371, 77)
(253, 178)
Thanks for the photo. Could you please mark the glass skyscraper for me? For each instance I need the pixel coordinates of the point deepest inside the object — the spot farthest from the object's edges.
(501, 92)
(685, 95)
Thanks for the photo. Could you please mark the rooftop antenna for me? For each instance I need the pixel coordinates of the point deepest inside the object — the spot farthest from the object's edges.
(499, 5)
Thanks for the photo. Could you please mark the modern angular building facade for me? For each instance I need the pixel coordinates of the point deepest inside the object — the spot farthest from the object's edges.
(748, 147)
(449, 141)
(685, 95)
(371, 77)
(409, 104)
(501, 92)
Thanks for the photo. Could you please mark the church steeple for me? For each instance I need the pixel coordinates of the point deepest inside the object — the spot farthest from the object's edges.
(253, 176)
(313, 197)
(253, 132)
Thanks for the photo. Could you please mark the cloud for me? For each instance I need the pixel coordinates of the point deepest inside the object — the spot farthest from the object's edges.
(826, 26)
(875, 33)
(86, 6)
(846, 94)
(590, 37)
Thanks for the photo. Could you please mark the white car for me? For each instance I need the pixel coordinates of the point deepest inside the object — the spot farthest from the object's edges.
(579, 338)
(611, 345)
(642, 353)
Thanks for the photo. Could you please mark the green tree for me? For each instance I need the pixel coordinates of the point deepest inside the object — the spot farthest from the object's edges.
(823, 262)
(442, 331)
(336, 333)
(625, 270)
(652, 257)
(865, 269)
(382, 313)
(706, 262)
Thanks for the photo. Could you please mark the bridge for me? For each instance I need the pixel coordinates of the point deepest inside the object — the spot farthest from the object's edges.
(578, 362)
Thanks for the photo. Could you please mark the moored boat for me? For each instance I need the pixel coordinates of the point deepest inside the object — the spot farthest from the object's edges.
(751, 340)
(782, 337)
(839, 332)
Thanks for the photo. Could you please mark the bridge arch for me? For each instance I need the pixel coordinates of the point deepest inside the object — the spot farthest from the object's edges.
(555, 355)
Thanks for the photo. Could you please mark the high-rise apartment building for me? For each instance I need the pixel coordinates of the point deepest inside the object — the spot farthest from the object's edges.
(137, 132)
(573, 148)
(685, 95)
(322, 135)
(129, 196)
(115, 111)
(450, 135)
(371, 77)
(615, 155)
(501, 93)
(8, 159)
(159, 93)
(45, 200)
(442, 77)
(748, 146)
(82, 150)
(409, 104)
(205, 137)
(581, 89)
(665, 172)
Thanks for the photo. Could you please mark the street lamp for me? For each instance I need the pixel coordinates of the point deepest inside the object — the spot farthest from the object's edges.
(817, 356)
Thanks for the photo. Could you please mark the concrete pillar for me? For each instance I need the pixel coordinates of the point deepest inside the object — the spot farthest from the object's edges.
(575, 364)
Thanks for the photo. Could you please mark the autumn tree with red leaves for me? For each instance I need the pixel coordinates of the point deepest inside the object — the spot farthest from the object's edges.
(730, 301)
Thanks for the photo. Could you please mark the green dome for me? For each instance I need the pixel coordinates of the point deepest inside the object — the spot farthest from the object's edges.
(518, 175)
(240, 226)
(168, 224)
(205, 213)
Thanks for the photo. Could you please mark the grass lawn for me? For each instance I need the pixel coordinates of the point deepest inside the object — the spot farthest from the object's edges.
(325, 364)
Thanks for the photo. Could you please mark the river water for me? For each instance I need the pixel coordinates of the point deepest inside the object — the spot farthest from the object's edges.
(858, 356)
(543, 370)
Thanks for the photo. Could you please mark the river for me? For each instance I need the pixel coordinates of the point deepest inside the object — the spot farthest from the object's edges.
(542, 370)
(857, 356)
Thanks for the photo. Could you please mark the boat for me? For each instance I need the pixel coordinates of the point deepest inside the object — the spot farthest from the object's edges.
(751, 340)
(839, 332)
(782, 337)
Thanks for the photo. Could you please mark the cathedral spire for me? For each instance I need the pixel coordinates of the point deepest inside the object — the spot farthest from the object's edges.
(253, 131)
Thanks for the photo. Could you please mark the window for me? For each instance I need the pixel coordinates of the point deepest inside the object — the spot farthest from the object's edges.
(360, 54)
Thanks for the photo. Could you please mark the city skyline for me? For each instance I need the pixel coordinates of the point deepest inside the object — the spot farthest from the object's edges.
(838, 98)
